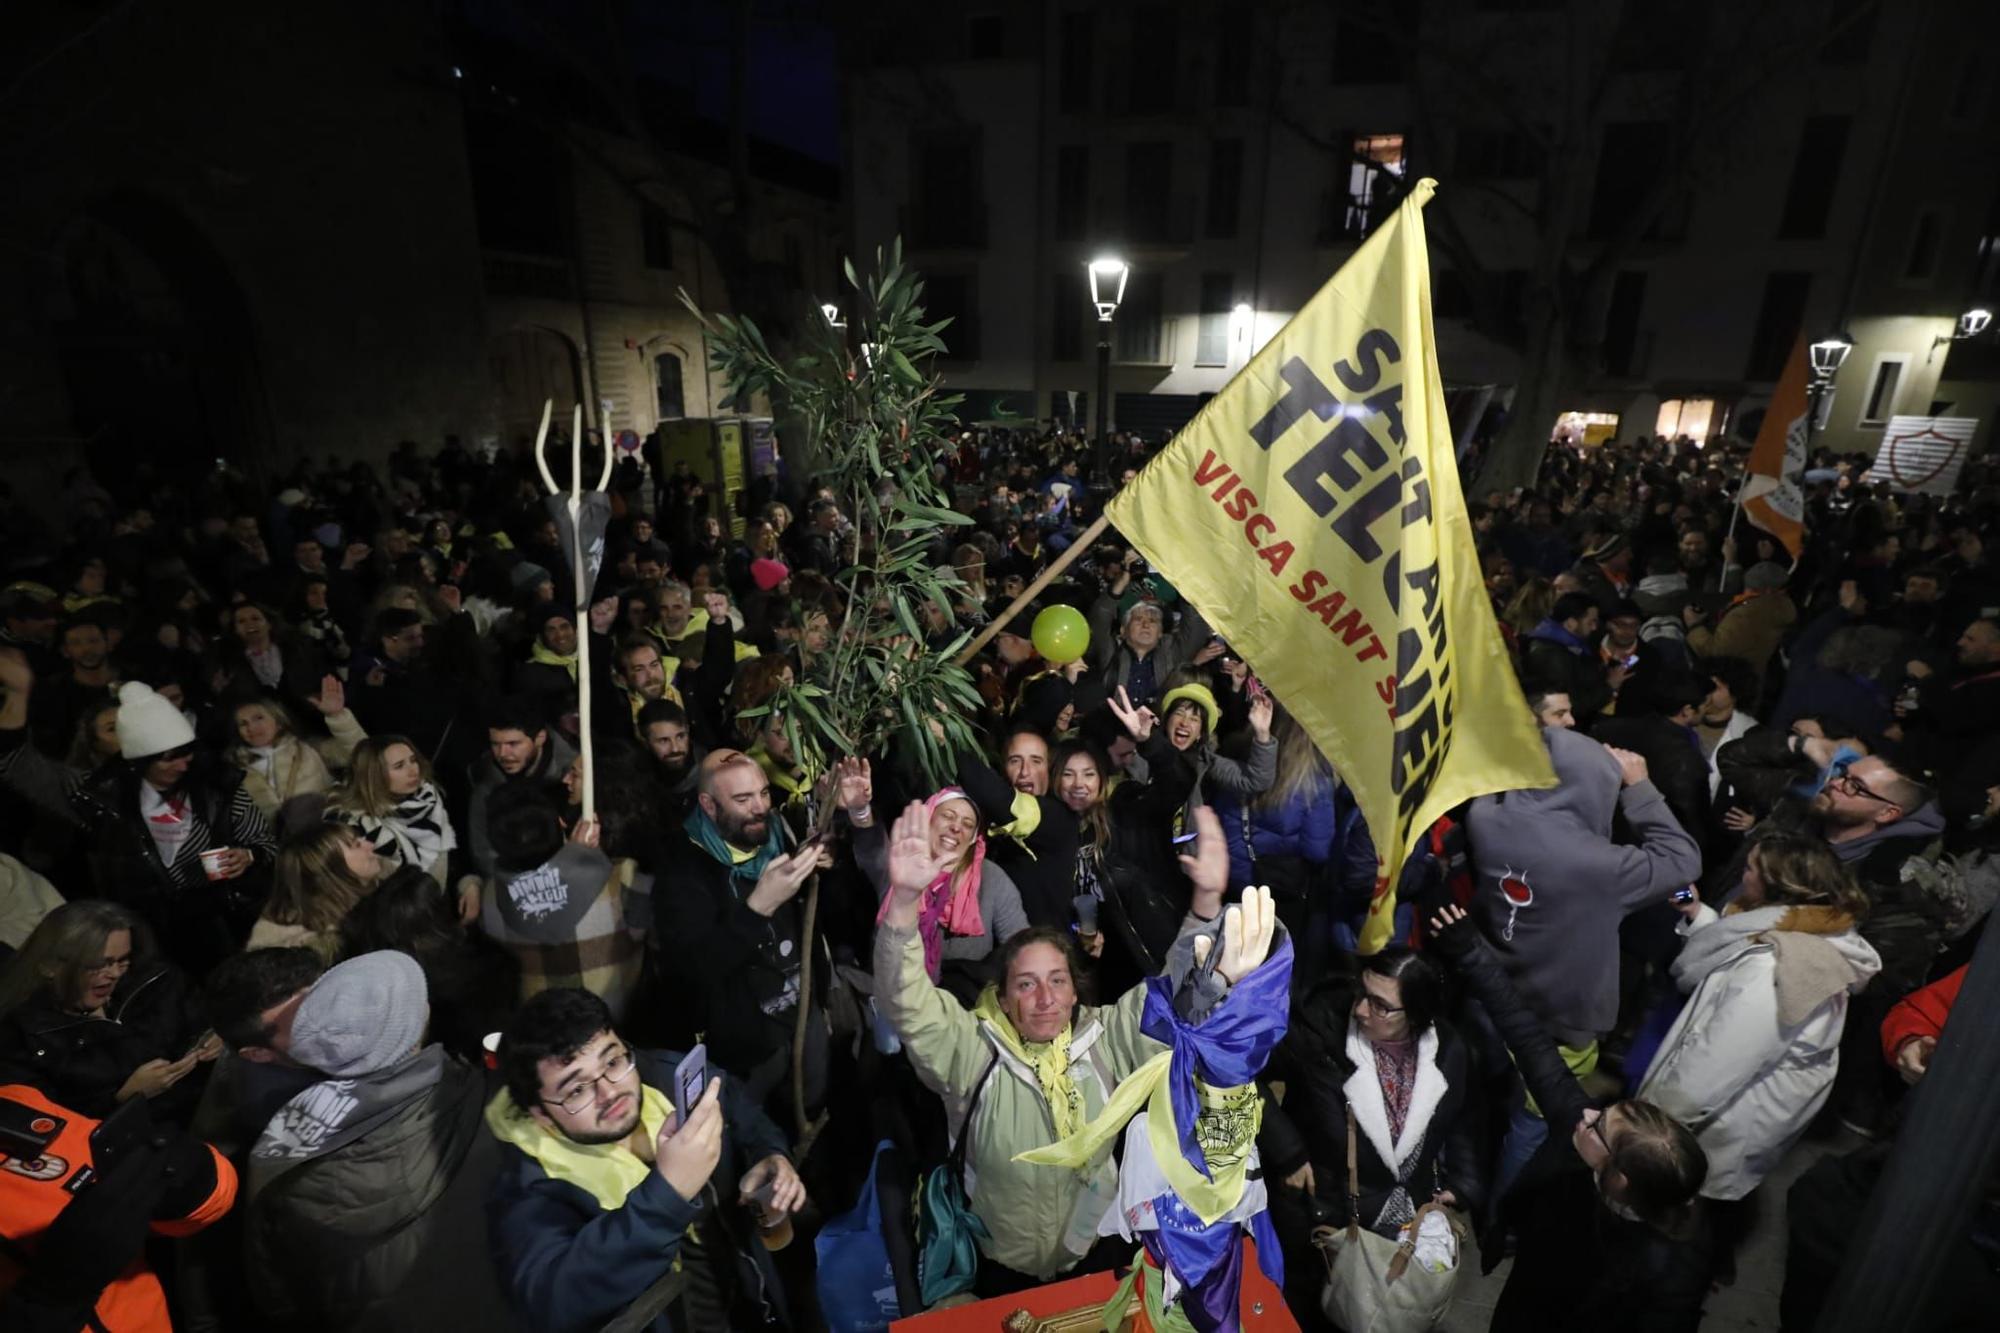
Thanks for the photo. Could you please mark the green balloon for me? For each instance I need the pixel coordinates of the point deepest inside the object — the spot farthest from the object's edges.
(1061, 634)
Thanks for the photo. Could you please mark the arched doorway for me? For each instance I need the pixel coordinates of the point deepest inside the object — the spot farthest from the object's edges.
(531, 366)
(156, 345)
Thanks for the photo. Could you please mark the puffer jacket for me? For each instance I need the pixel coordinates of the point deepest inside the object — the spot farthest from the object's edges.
(1029, 1211)
(82, 1061)
(386, 1231)
(1302, 827)
(299, 766)
(1751, 1058)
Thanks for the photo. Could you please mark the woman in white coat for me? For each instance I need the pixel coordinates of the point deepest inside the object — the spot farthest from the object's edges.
(1750, 1060)
(277, 762)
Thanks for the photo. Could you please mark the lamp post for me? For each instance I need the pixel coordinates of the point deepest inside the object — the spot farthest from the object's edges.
(1107, 289)
(1970, 325)
(1827, 355)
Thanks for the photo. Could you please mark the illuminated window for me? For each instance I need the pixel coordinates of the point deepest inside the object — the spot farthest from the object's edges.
(1377, 160)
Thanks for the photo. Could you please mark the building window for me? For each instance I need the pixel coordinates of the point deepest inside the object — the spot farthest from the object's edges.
(1815, 173)
(1070, 307)
(1880, 404)
(667, 386)
(1376, 165)
(1218, 296)
(950, 199)
(1621, 322)
(1149, 190)
(1152, 77)
(1138, 319)
(1628, 167)
(1072, 191)
(1778, 321)
(1075, 77)
(953, 296)
(1225, 188)
(656, 237)
(1921, 266)
(1232, 59)
(985, 37)
(1499, 155)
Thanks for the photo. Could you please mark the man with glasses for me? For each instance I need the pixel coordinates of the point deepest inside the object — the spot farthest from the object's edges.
(607, 1205)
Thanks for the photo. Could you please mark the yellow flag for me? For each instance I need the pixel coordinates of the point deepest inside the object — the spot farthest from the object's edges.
(1312, 512)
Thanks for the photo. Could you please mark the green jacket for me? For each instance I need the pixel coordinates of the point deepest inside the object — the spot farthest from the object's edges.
(1041, 1218)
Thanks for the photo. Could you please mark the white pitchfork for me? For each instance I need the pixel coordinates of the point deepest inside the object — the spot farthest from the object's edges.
(581, 568)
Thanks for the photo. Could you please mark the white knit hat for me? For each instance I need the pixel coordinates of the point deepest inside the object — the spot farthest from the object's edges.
(148, 724)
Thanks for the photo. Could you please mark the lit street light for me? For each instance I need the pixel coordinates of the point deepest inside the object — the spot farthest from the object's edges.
(1827, 355)
(1107, 289)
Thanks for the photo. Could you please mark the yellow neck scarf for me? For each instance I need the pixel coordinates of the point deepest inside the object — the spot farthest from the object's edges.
(542, 653)
(606, 1171)
(1049, 1060)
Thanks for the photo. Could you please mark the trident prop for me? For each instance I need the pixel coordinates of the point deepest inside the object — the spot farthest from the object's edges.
(582, 516)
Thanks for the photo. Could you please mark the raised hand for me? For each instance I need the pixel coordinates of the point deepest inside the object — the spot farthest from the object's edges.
(853, 786)
(1207, 867)
(1247, 929)
(1138, 722)
(781, 880)
(1452, 931)
(716, 604)
(913, 867)
(1261, 709)
(332, 696)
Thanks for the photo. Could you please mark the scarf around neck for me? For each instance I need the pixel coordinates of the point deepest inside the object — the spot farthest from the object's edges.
(416, 830)
(1049, 1060)
(744, 866)
(547, 656)
(950, 901)
(605, 1171)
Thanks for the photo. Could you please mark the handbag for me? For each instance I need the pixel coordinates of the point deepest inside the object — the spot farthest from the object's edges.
(855, 1276)
(1371, 1285)
(948, 1231)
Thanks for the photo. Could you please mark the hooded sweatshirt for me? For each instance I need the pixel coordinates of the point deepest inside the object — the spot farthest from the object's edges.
(574, 920)
(1552, 886)
(1751, 1058)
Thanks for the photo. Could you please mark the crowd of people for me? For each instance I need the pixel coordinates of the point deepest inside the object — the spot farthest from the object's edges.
(310, 955)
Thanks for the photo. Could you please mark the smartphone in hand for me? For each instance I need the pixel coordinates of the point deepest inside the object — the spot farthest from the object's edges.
(690, 1079)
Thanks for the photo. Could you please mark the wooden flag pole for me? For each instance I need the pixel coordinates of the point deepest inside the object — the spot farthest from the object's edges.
(1042, 580)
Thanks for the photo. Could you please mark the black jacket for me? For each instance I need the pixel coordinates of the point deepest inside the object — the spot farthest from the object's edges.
(1573, 1253)
(1311, 1126)
(82, 1061)
(1673, 761)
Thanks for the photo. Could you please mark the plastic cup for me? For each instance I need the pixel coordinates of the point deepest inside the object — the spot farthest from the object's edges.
(774, 1225)
(1086, 913)
(211, 862)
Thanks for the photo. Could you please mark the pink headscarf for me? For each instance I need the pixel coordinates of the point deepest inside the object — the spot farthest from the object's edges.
(945, 907)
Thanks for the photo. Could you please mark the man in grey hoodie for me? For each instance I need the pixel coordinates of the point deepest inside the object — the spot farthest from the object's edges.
(1552, 888)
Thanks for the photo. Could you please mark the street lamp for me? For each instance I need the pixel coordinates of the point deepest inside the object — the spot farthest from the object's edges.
(1827, 356)
(1970, 325)
(832, 313)
(1107, 289)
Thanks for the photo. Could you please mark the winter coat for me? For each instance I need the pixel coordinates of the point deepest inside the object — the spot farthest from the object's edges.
(1206, 774)
(1113, 660)
(1740, 725)
(1751, 1058)
(190, 913)
(1028, 1210)
(1750, 629)
(1302, 827)
(557, 755)
(1327, 1066)
(1674, 764)
(300, 766)
(1921, 1013)
(571, 1266)
(385, 1231)
(1552, 887)
(1033, 838)
(25, 898)
(1573, 1253)
(82, 1061)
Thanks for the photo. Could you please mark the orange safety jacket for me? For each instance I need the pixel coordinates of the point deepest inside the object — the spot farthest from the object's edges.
(32, 1193)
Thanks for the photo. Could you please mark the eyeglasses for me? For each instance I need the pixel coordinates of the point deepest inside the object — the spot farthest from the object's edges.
(1379, 1007)
(1853, 786)
(617, 1068)
(104, 965)
(1597, 1128)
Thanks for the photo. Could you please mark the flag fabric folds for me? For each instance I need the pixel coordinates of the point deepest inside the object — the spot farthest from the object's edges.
(1772, 497)
(1312, 512)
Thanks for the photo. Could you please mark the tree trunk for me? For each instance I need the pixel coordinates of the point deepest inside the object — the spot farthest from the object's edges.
(1516, 457)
